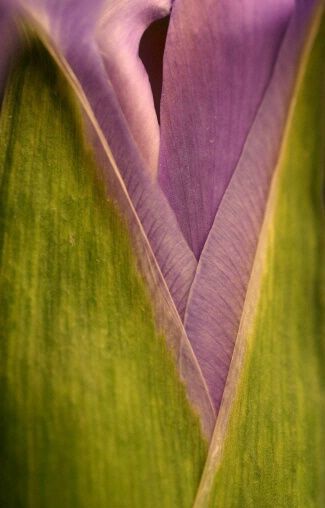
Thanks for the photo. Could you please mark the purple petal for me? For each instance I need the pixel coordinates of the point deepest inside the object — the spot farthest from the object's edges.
(218, 292)
(218, 61)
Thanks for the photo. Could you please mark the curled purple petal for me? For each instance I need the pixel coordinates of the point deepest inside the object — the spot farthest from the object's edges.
(118, 37)
(218, 61)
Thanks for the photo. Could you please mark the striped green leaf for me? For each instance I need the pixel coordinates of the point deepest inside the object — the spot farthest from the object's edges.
(92, 411)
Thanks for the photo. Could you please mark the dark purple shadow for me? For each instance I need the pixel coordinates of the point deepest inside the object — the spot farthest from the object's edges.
(151, 52)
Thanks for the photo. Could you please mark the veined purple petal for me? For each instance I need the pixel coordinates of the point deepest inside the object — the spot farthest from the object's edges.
(218, 61)
(72, 26)
(217, 296)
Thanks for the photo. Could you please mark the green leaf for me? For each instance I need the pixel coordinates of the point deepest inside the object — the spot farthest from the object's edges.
(92, 411)
(273, 453)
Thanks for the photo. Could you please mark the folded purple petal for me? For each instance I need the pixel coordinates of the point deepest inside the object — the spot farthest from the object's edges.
(218, 61)
(217, 296)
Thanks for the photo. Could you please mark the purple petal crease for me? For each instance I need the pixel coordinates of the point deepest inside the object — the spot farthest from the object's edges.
(218, 61)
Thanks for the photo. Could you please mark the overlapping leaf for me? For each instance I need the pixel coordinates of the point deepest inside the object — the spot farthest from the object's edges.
(93, 413)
